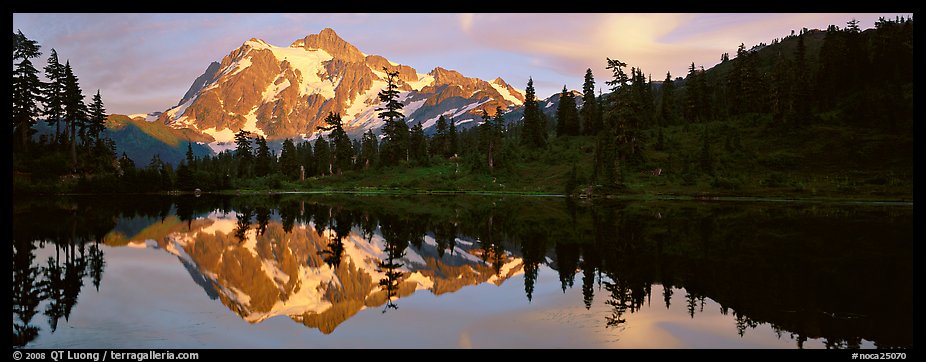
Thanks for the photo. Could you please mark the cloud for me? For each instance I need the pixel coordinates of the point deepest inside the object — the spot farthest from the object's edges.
(567, 44)
(145, 62)
(466, 22)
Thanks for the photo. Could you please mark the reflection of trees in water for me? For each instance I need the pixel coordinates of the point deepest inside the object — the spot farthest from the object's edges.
(263, 217)
(341, 224)
(766, 265)
(56, 282)
(244, 214)
(396, 232)
(27, 291)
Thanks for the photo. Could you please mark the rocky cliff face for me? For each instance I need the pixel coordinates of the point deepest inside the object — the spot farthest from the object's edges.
(286, 92)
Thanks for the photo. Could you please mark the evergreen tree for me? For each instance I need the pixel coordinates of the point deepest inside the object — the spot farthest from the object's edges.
(343, 152)
(667, 107)
(24, 48)
(189, 154)
(306, 157)
(244, 153)
(26, 95)
(54, 94)
(167, 176)
(97, 120)
(289, 164)
(126, 165)
(534, 129)
(591, 120)
(75, 111)
(370, 149)
(418, 145)
(567, 117)
(263, 160)
(694, 95)
(322, 156)
(27, 89)
(440, 140)
(395, 131)
(184, 177)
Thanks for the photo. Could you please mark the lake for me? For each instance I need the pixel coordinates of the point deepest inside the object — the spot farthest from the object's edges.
(351, 271)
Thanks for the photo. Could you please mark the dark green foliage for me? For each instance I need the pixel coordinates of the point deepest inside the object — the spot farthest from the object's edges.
(185, 178)
(26, 89)
(534, 128)
(53, 96)
(289, 162)
(75, 111)
(418, 145)
(369, 154)
(572, 182)
(244, 153)
(440, 141)
(590, 113)
(26, 96)
(394, 146)
(342, 152)
(785, 117)
(706, 159)
(96, 123)
(263, 161)
(567, 117)
(322, 157)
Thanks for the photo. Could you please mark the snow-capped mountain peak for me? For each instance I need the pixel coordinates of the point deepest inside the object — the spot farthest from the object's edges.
(285, 92)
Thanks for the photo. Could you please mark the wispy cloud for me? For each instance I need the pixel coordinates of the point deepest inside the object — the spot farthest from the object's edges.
(145, 62)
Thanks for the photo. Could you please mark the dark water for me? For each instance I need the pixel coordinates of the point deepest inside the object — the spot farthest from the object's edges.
(304, 271)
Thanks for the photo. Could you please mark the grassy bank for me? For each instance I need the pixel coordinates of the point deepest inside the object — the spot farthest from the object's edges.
(747, 159)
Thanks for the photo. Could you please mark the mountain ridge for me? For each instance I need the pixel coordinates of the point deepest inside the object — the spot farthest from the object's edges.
(285, 92)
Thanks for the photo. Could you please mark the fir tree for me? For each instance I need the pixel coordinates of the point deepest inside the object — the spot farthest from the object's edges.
(26, 87)
(97, 120)
(190, 159)
(26, 95)
(534, 129)
(343, 152)
(440, 140)
(289, 164)
(322, 156)
(184, 177)
(567, 117)
(667, 107)
(54, 94)
(263, 160)
(591, 120)
(418, 145)
(370, 149)
(395, 131)
(75, 111)
(244, 153)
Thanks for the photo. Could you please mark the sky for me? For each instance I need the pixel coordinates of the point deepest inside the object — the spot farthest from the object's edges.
(146, 62)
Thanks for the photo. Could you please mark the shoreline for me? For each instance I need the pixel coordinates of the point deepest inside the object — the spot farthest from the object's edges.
(614, 197)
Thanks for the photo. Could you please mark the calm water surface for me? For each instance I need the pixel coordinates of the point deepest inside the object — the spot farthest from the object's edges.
(303, 271)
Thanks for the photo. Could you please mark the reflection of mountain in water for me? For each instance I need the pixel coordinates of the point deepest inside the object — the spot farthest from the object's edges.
(284, 273)
(829, 272)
